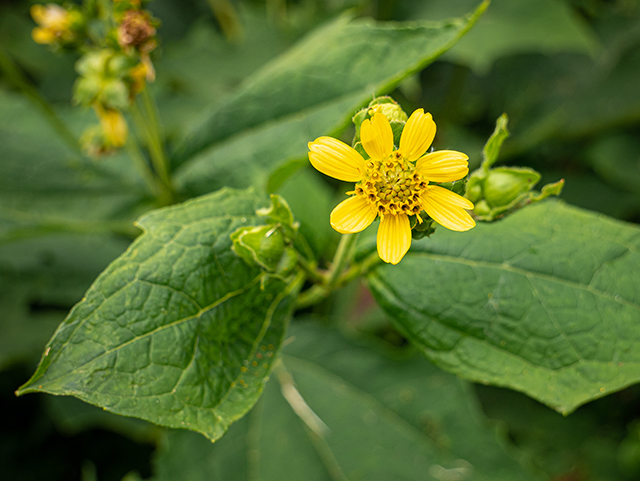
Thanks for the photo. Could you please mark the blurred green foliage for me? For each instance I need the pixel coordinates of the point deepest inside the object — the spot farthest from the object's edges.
(565, 71)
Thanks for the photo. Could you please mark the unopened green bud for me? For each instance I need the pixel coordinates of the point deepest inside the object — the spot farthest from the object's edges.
(288, 262)
(280, 213)
(503, 185)
(474, 188)
(481, 208)
(262, 245)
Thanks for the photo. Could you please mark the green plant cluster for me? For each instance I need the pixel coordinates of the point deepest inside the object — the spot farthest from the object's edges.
(188, 288)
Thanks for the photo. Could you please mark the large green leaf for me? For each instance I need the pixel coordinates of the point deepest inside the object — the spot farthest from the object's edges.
(311, 90)
(545, 301)
(386, 419)
(177, 330)
(510, 27)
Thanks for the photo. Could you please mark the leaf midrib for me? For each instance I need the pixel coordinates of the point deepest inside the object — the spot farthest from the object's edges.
(524, 272)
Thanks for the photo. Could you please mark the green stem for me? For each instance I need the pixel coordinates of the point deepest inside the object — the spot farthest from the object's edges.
(312, 296)
(18, 79)
(358, 269)
(310, 270)
(153, 183)
(341, 258)
(149, 129)
(157, 135)
(335, 277)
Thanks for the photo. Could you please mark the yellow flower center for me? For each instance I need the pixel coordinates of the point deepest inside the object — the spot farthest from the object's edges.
(392, 186)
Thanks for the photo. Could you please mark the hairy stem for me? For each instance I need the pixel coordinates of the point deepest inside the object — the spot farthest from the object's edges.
(149, 127)
(342, 257)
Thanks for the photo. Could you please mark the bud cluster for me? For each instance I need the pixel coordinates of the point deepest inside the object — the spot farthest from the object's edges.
(499, 191)
(114, 40)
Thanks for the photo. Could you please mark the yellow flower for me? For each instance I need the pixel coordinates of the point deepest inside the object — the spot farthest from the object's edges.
(113, 126)
(54, 22)
(394, 184)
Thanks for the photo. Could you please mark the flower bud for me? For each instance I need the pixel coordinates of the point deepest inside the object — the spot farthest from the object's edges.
(262, 245)
(280, 213)
(504, 184)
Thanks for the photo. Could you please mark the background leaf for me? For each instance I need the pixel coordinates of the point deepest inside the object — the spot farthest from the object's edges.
(311, 90)
(544, 301)
(510, 27)
(387, 419)
(40, 280)
(45, 187)
(177, 330)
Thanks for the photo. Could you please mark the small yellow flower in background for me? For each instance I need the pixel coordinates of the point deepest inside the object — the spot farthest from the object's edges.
(394, 184)
(114, 126)
(54, 22)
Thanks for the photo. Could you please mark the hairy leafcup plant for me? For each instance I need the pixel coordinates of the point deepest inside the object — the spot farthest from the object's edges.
(492, 281)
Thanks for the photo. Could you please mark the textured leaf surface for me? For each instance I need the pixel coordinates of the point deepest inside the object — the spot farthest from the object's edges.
(546, 301)
(311, 90)
(387, 419)
(177, 330)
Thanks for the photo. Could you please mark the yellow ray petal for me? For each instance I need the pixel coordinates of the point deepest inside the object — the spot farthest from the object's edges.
(352, 215)
(417, 135)
(448, 208)
(377, 137)
(336, 159)
(394, 238)
(443, 166)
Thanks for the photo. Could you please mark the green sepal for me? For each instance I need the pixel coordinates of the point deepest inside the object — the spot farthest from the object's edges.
(526, 198)
(458, 186)
(280, 213)
(262, 245)
(492, 148)
(288, 262)
(360, 149)
(284, 271)
(422, 229)
(397, 126)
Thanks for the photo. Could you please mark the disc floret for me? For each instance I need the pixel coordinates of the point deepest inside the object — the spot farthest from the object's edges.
(392, 186)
